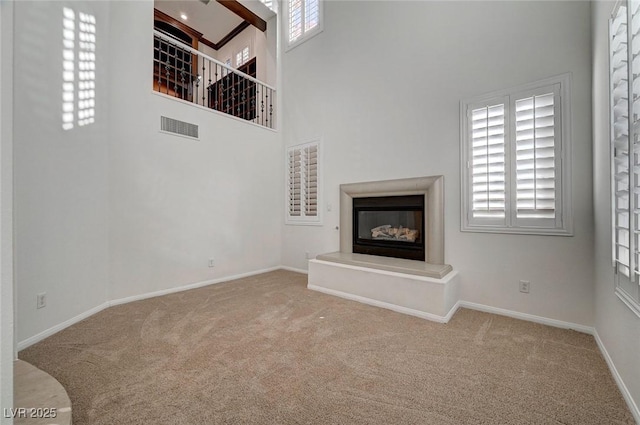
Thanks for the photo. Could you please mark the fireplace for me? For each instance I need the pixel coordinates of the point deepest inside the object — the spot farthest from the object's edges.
(430, 188)
(389, 226)
(406, 216)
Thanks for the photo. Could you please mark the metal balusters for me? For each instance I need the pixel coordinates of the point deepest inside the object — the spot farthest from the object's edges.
(227, 90)
(271, 108)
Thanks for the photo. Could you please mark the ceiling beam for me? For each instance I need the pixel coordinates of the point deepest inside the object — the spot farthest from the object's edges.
(237, 30)
(244, 13)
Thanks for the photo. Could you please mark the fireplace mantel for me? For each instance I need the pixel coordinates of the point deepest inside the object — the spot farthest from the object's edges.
(431, 187)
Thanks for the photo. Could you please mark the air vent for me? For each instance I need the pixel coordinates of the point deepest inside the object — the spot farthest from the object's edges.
(182, 128)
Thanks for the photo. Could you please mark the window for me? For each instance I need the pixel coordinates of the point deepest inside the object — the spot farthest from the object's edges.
(242, 57)
(515, 160)
(625, 153)
(303, 184)
(304, 19)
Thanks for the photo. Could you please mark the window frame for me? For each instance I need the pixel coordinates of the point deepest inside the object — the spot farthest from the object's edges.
(242, 60)
(304, 220)
(627, 286)
(306, 35)
(563, 223)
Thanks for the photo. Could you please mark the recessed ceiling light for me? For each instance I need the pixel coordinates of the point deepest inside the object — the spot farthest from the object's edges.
(183, 16)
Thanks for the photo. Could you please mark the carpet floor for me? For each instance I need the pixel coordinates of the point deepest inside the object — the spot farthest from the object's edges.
(265, 350)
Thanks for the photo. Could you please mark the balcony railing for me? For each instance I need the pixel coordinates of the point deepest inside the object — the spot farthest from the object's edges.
(185, 73)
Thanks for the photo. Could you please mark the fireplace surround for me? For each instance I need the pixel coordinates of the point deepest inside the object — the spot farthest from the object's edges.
(425, 288)
(431, 188)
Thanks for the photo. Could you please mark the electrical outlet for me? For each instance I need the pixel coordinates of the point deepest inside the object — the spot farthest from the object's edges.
(211, 262)
(41, 300)
(524, 286)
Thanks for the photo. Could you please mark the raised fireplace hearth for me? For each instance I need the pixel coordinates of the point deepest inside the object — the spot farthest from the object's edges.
(391, 249)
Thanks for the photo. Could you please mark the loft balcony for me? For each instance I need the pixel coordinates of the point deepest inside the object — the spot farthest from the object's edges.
(182, 72)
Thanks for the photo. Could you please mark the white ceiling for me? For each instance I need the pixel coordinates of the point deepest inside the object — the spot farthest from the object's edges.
(213, 20)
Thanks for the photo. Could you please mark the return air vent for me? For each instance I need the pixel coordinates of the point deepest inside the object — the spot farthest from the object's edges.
(182, 128)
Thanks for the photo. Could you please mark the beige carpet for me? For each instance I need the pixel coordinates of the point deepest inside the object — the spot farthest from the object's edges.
(265, 350)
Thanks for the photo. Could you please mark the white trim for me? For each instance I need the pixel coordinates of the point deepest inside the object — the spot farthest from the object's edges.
(60, 326)
(293, 269)
(388, 306)
(528, 317)
(631, 404)
(195, 285)
(565, 209)
(628, 300)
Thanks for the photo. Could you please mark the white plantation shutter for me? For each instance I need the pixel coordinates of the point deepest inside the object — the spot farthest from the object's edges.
(515, 160)
(242, 56)
(624, 50)
(488, 172)
(295, 20)
(619, 71)
(304, 18)
(295, 183)
(311, 14)
(310, 155)
(303, 180)
(537, 167)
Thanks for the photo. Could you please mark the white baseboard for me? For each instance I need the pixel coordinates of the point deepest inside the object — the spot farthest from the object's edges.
(57, 328)
(528, 317)
(633, 407)
(195, 285)
(388, 306)
(293, 269)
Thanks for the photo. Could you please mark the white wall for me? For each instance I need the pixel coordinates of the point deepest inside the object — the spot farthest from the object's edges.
(61, 188)
(6, 213)
(382, 85)
(175, 202)
(617, 326)
(117, 209)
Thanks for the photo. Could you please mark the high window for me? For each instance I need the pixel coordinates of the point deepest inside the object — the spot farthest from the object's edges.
(515, 160)
(303, 184)
(624, 80)
(304, 20)
(242, 56)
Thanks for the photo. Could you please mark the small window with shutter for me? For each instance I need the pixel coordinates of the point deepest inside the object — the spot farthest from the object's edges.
(303, 184)
(515, 160)
(304, 20)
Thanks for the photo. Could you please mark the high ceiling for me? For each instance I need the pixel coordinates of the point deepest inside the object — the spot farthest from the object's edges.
(213, 20)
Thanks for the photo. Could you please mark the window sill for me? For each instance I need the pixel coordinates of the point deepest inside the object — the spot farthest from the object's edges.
(516, 230)
(629, 301)
(303, 39)
(302, 223)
